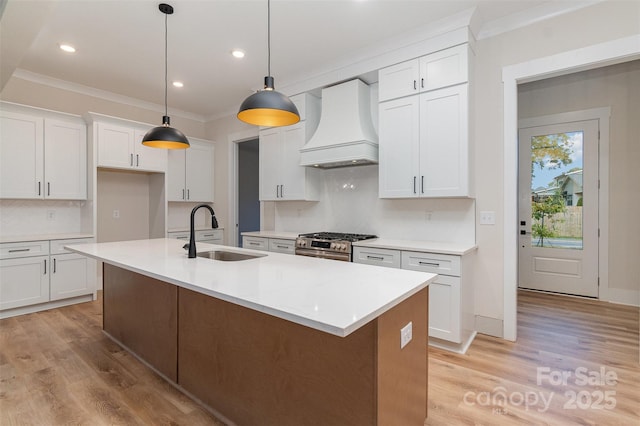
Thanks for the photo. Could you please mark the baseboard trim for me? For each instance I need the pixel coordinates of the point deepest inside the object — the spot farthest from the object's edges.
(621, 296)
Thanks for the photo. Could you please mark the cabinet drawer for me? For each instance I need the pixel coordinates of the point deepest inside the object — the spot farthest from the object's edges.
(24, 249)
(178, 235)
(208, 234)
(57, 246)
(256, 243)
(379, 257)
(282, 246)
(431, 262)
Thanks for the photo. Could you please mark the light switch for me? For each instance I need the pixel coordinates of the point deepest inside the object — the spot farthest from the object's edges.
(406, 334)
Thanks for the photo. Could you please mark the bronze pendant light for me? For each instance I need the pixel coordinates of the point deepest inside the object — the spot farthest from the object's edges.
(165, 136)
(267, 107)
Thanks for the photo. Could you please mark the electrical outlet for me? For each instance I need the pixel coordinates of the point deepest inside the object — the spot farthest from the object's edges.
(51, 215)
(427, 215)
(487, 218)
(406, 334)
(116, 214)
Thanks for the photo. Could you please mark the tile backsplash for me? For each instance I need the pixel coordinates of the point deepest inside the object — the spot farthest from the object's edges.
(34, 217)
(349, 203)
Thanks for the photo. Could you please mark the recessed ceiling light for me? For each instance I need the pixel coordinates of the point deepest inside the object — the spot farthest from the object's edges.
(67, 48)
(178, 84)
(238, 53)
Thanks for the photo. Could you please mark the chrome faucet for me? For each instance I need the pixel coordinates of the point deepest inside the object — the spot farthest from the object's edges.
(192, 235)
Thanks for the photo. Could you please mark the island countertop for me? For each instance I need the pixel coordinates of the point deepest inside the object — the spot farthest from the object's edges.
(327, 295)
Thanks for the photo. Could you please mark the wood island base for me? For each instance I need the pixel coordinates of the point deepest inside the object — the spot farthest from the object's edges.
(254, 368)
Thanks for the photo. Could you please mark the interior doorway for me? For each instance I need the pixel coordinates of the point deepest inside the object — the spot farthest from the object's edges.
(248, 207)
(558, 205)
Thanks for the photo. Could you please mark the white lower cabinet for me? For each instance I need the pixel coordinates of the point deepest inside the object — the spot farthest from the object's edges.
(276, 245)
(24, 281)
(32, 274)
(451, 316)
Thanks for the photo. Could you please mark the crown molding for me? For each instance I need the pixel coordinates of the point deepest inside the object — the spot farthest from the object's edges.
(102, 94)
(527, 17)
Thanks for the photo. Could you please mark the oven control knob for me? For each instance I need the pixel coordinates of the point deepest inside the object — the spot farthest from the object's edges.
(333, 246)
(301, 243)
(343, 247)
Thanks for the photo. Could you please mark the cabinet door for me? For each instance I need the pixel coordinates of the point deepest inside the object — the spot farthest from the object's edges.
(444, 68)
(24, 281)
(65, 160)
(69, 276)
(444, 309)
(199, 172)
(399, 142)
(398, 80)
(115, 146)
(270, 159)
(293, 175)
(21, 156)
(176, 173)
(146, 158)
(444, 159)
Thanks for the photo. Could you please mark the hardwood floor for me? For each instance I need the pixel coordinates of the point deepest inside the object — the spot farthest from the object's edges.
(57, 367)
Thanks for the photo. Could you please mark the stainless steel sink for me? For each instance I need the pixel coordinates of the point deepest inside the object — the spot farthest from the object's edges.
(227, 256)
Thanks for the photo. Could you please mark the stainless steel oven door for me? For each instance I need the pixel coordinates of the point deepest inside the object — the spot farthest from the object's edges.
(323, 254)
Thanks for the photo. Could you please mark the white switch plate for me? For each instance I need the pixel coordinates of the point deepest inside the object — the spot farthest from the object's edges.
(487, 218)
(116, 214)
(406, 334)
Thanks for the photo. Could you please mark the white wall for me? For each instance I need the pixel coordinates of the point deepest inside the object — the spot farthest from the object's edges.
(29, 217)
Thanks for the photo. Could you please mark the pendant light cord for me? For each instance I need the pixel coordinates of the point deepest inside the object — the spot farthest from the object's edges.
(269, 37)
(166, 73)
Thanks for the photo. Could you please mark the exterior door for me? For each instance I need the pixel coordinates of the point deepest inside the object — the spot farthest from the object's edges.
(558, 208)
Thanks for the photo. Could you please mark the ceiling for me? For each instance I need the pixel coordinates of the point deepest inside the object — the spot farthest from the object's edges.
(120, 44)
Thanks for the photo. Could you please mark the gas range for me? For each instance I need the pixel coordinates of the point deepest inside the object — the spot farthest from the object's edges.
(328, 245)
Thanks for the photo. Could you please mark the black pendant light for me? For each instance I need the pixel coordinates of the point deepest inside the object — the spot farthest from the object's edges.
(267, 107)
(165, 136)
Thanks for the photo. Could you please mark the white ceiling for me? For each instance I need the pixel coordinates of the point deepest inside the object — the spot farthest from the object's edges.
(120, 44)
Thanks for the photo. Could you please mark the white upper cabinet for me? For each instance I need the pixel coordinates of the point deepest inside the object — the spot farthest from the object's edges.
(120, 146)
(281, 175)
(424, 138)
(42, 157)
(190, 173)
(434, 71)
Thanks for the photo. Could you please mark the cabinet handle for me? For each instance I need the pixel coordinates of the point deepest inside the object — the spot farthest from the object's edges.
(48, 188)
(39, 189)
(131, 160)
(207, 235)
(281, 191)
(282, 247)
(414, 184)
(375, 257)
(137, 160)
(277, 191)
(422, 184)
(422, 83)
(18, 250)
(188, 195)
(251, 243)
(45, 267)
(54, 265)
(414, 85)
(436, 265)
(183, 194)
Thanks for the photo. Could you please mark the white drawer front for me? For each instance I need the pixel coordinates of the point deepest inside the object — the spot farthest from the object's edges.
(431, 262)
(24, 249)
(178, 235)
(209, 234)
(379, 257)
(282, 246)
(256, 243)
(57, 246)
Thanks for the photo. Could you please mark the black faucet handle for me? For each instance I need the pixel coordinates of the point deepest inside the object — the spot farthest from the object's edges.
(186, 246)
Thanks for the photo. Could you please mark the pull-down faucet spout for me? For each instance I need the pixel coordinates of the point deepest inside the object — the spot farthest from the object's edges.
(192, 232)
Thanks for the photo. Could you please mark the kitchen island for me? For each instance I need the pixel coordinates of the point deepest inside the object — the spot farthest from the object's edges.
(276, 339)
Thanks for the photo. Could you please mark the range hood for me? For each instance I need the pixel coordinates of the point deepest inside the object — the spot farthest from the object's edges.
(345, 135)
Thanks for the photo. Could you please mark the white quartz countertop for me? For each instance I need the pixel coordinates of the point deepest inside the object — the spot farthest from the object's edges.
(273, 234)
(328, 295)
(201, 228)
(43, 237)
(421, 246)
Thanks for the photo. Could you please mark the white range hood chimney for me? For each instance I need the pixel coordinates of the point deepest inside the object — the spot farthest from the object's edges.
(345, 135)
